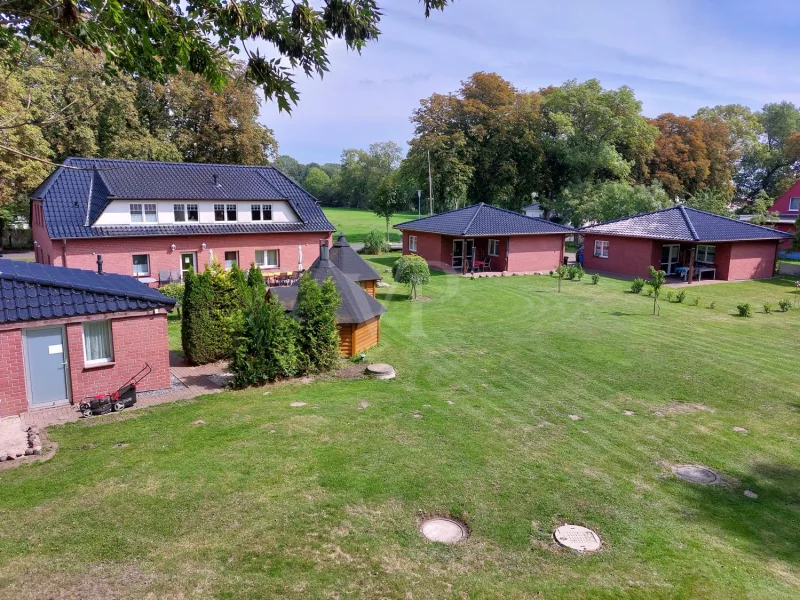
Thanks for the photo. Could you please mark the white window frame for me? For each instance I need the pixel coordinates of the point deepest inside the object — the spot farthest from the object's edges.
(151, 210)
(796, 206)
(412, 243)
(104, 360)
(192, 208)
(601, 248)
(225, 208)
(235, 209)
(225, 258)
(137, 213)
(179, 210)
(496, 244)
(222, 208)
(264, 263)
(705, 260)
(133, 260)
(258, 212)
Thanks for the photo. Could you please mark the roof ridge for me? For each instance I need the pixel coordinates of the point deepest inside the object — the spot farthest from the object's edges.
(452, 210)
(688, 222)
(86, 222)
(619, 219)
(705, 212)
(480, 207)
(166, 162)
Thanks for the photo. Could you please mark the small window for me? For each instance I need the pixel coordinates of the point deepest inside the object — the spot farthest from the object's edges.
(141, 265)
(97, 346)
(267, 259)
(231, 258)
(261, 212)
(192, 213)
(706, 254)
(219, 212)
(494, 247)
(601, 249)
(137, 213)
(794, 204)
(230, 212)
(180, 212)
(412, 243)
(150, 213)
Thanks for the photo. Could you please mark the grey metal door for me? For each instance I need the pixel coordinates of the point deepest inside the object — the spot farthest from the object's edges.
(46, 364)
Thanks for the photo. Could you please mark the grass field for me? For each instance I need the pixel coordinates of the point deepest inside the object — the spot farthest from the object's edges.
(240, 495)
(356, 224)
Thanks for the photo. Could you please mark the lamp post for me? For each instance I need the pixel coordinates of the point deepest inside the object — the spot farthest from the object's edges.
(419, 203)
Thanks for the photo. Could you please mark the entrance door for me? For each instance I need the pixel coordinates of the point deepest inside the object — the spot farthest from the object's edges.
(459, 248)
(46, 365)
(469, 253)
(670, 257)
(188, 259)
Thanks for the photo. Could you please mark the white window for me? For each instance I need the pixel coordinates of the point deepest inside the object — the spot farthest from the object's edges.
(141, 265)
(705, 254)
(794, 204)
(261, 212)
(267, 259)
(137, 214)
(224, 212)
(230, 212)
(150, 213)
(219, 212)
(601, 248)
(412, 243)
(231, 258)
(180, 212)
(97, 343)
(494, 247)
(192, 213)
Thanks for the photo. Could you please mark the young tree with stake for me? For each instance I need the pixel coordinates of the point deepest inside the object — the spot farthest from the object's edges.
(657, 279)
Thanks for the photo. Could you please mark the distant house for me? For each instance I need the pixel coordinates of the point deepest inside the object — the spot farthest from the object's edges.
(533, 210)
(155, 220)
(788, 209)
(359, 316)
(487, 237)
(351, 264)
(68, 333)
(685, 242)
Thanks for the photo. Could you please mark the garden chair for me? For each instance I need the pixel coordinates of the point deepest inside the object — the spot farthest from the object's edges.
(487, 264)
(163, 277)
(175, 275)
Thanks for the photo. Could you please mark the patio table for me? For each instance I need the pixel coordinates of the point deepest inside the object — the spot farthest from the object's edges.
(700, 270)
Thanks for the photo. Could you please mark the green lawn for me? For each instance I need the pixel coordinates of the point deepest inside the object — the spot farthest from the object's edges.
(357, 223)
(265, 500)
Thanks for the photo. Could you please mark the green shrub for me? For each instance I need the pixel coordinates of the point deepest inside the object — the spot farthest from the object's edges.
(256, 283)
(680, 296)
(375, 242)
(571, 272)
(712, 305)
(266, 350)
(595, 278)
(767, 308)
(637, 286)
(785, 305)
(697, 301)
(318, 336)
(669, 296)
(173, 290)
(412, 270)
(649, 291)
(579, 272)
(744, 309)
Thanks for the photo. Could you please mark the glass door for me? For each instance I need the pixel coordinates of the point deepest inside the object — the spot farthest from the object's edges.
(458, 254)
(188, 259)
(670, 258)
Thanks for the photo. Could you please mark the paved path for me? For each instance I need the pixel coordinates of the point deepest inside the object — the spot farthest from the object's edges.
(188, 382)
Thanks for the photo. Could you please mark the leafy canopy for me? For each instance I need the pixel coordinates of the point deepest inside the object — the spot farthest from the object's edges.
(412, 270)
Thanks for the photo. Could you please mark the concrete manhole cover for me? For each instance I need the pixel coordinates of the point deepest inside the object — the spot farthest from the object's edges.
(381, 371)
(577, 538)
(444, 530)
(696, 474)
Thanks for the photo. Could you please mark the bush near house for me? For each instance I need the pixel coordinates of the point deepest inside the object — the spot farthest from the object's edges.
(374, 242)
(413, 271)
(317, 335)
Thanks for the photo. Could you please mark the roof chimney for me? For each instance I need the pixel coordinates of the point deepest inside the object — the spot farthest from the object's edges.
(323, 250)
(100, 264)
(215, 179)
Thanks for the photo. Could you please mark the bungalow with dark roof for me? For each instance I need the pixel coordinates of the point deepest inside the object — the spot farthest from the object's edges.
(68, 333)
(486, 238)
(684, 242)
(154, 220)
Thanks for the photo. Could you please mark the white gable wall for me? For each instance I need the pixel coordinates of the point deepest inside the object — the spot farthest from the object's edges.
(118, 212)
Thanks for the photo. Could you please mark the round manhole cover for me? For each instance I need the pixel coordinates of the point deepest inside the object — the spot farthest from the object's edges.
(696, 474)
(444, 530)
(381, 371)
(577, 538)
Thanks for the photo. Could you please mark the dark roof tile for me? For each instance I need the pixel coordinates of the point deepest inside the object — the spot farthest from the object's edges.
(350, 263)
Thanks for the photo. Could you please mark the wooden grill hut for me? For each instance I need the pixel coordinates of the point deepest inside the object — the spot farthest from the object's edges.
(351, 264)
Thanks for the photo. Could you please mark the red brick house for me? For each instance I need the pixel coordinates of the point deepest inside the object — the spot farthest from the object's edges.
(490, 238)
(684, 242)
(154, 220)
(788, 209)
(68, 333)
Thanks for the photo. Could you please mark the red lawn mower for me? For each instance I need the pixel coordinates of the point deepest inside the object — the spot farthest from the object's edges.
(123, 398)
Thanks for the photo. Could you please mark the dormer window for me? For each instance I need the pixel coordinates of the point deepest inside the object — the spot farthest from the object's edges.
(185, 212)
(144, 213)
(225, 212)
(261, 212)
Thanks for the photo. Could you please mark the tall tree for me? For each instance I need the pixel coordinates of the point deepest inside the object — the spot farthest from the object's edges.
(710, 200)
(389, 199)
(598, 202)
(292, 167)
(318, 184)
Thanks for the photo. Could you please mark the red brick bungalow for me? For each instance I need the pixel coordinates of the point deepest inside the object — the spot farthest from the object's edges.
(497, 239)
(69, 333)
(788, 209)
(154, 220)
(678, 238)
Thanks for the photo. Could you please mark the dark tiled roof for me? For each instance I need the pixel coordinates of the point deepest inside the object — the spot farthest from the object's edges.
(687, 224)
(357, 305)
(73, 199)
(483, 219)
(30, 291)
(350, 263)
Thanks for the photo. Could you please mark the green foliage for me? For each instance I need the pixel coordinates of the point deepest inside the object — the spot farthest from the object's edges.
(173, 290)
(265, 351)
(318, 184)
(595, 278)
(784, 305)
(670, 295)
(411, 270)
(710, 200)
(696, 301)
(389, 200)
(575, 272)
(255, 283)
(680, 296)
(767, 308)
(317, 336)
(712, 305)
(657, 279)
(744, 309)
(649, 291)
(374, 242)
(637, 286)
(612, 200)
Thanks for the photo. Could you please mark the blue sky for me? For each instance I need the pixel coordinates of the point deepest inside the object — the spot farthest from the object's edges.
(676, 55)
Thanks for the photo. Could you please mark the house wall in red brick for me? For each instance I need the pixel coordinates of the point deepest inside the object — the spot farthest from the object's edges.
(430, 246)
(788, 228)
(535, 253)
(626, 256)
(118, 252)
(13, 394)
(782, 203)
(752, 260)
(47, 252)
